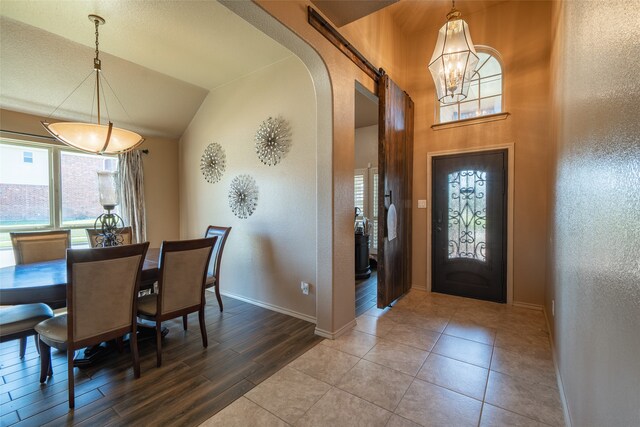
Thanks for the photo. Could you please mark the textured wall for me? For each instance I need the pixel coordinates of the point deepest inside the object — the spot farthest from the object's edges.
(387, 52)
(595, 208)
(269, 253)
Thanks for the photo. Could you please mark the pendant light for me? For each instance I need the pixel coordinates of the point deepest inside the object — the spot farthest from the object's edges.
(94, 137)
(454, 59)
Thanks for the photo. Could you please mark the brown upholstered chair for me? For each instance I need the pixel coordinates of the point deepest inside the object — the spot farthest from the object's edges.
(40, 246)
(18, 321)
(181, 280)
(99, 308)
(213, 274)
(93, 236)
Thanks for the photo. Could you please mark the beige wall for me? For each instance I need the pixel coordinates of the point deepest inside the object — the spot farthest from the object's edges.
(520, 32)
(595, 207)
(268, 254)
(366, 147)
(160, 169)
(336, 309)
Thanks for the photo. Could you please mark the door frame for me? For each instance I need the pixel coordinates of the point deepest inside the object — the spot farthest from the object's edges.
(510, 147)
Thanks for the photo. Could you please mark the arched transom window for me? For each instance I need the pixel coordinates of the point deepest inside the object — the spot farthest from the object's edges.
(485, 91)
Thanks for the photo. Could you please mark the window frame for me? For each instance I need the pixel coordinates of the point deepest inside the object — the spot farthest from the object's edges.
(54, 156)
(438, 105)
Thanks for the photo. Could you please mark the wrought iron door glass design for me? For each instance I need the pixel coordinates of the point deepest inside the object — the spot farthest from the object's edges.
(467, 214)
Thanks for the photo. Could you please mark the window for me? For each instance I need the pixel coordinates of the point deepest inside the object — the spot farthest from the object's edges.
(57, 187)
(468, 214)
(485, 91)
(365, 194)
(359, 194)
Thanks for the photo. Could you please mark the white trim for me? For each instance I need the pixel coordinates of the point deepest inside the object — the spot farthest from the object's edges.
(526, 305)
(510, 147)
(563, 397)
(268, 306)
(333, 335)
(419, 288)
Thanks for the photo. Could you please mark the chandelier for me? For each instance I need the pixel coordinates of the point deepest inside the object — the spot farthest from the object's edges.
(94, 137)
(454, 59)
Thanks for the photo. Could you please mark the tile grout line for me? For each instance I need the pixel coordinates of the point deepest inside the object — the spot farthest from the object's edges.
(486, 385)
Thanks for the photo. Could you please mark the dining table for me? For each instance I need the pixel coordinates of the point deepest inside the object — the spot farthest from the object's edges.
(46, 282)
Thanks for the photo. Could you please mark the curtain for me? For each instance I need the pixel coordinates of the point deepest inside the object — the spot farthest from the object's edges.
(132, 193)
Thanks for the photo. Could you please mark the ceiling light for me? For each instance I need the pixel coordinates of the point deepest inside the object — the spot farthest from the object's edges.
(454, 59)
(94, 137)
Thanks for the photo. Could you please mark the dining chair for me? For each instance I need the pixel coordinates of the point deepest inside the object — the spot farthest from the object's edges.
(18, 322)
(213, 274)
(181, 282)
(93, 236)
(38, 246)
(102, 287)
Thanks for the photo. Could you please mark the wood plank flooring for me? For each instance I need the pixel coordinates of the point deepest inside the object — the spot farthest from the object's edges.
(366, 293)
(247, 344)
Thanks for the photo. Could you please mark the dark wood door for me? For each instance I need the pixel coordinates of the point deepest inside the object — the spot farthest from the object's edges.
(395, 171)
(469, 225)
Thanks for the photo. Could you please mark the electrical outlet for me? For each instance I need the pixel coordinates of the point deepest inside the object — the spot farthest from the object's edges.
(422, 204)
(304, 287)
(553, 308)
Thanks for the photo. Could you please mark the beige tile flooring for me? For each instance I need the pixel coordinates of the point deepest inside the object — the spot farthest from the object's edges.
(431, 360)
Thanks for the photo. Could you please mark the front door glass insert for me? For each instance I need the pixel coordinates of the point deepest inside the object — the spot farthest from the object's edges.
(467, 214)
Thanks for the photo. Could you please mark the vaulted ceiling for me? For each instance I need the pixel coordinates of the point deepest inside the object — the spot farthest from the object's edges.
(161, 58)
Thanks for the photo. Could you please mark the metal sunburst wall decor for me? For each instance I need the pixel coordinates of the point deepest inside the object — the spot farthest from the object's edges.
(273, 140)
(243, 196)
(213, 162)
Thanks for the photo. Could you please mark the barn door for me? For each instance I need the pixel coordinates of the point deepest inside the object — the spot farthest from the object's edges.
(395, 168)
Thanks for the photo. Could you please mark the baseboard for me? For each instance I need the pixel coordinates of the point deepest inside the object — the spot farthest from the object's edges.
(563, 398)
(527, 305)
(336, 334)
(272, 307)
(419, 288)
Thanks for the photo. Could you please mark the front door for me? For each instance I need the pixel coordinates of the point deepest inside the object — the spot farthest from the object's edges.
(469, 225)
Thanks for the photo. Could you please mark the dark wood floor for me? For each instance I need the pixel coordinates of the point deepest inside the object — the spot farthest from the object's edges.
(366, 293)
(247, 344)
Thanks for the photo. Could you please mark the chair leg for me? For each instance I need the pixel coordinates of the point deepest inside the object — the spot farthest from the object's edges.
(203, 329)
(45, 362)
(158, 343)
(218, 297)
(120, 345)
(184, 321)
(23, 347)
(133, 342)
(70, 354)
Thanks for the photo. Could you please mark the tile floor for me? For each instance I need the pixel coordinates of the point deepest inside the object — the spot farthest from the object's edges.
(431, 360)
